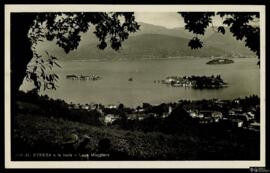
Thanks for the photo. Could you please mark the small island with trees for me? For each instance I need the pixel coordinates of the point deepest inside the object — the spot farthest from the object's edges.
(220, 61)
(196, 82)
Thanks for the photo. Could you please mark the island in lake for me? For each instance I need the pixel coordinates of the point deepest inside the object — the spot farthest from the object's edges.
(82, 77)
(220, 61)
(196, 82)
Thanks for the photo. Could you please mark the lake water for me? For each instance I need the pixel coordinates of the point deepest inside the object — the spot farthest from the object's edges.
(243, 77)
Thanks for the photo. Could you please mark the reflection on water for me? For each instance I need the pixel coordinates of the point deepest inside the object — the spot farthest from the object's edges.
(115, 87)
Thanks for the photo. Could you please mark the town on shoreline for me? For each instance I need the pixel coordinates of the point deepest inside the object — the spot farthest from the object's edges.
(240, 112)
(166, 130)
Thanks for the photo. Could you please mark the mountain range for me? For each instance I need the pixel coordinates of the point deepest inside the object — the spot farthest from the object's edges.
(155, 42)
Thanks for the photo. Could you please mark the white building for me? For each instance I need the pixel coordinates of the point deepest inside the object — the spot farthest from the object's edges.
(112, 106)
(217, 116)
(239, 123)
(110, 118)
(86, 107)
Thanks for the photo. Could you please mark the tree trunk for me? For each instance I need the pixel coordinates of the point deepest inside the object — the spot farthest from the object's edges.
(21, 52)
(21, 55)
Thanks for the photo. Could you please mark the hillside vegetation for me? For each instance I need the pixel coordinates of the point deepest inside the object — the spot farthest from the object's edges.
(154, 42)
(146, 46)
(38, 129)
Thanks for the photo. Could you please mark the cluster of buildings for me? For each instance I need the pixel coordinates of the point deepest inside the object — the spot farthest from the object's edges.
(235, 116)
(87, 107)
(229, 112)
(111, 113)
(178, 82)
(194, 81)
(205, 116)
(138, 114)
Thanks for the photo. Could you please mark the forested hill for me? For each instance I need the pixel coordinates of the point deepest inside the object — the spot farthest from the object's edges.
(155, 42)
(228, 43)
(146, 46)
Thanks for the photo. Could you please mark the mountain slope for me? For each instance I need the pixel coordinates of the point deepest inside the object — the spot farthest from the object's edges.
(176, 32)
(212, 38)
(154, 29)
(228, 43)
(146, 46)
(154, 42)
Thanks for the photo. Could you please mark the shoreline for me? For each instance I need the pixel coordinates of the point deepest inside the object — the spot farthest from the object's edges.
(133, 106)
(147, 59)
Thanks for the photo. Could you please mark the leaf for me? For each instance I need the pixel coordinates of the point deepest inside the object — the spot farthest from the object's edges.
(56, 76)
(35, 69)
(53, 58)
(102, 45)
(43, 67)
(57, 64)
(195, 43)
(47, 53)
(221, 29)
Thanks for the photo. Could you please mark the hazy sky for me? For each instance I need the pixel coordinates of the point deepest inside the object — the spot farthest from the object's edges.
(166, 19)
(169, 20)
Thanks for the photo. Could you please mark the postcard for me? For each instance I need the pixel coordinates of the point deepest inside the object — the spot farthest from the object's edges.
(134, 86)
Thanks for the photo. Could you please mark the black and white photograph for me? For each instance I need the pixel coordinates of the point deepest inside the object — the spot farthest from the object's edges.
(135, 86)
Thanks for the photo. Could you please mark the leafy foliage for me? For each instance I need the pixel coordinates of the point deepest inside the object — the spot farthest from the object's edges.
(66, 28)
(39, 70)
(197, 22)
(241, 24)
(221, 29)
(242, 28)
(195, 43)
